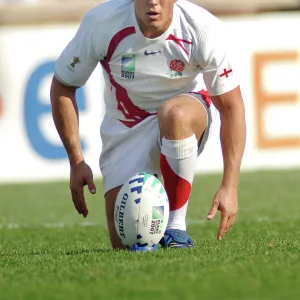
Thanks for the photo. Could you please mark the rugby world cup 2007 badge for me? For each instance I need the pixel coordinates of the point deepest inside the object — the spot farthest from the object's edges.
(128, 66)
(157, 219)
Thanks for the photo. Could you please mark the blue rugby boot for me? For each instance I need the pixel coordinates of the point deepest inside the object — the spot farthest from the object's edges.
(142, 248)
(175, 238)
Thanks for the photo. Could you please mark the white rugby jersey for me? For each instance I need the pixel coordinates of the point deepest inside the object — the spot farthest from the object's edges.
(141, 73)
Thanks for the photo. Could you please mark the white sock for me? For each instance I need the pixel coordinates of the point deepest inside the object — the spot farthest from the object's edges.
(178, 161)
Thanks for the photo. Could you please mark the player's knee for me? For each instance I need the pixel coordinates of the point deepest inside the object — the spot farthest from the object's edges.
(174, 122)
(173, 115)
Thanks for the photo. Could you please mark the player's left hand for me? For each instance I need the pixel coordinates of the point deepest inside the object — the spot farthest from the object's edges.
(226, 201)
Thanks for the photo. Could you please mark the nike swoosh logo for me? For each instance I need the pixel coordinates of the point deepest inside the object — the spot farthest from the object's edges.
(151, 53)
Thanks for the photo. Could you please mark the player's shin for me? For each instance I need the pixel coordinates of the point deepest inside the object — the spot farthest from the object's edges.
(177, 162)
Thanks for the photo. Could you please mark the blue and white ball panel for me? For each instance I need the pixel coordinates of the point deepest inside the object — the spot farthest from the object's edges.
(141, 211)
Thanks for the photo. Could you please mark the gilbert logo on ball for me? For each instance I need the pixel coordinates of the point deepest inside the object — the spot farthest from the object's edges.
(141, 211)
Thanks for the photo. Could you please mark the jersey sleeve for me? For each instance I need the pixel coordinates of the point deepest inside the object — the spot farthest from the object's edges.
(79, 59)
(213, 59)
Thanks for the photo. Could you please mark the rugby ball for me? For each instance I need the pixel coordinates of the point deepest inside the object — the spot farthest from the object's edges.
(141, 211)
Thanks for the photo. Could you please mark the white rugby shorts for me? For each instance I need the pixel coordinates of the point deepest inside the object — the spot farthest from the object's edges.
(128, 151)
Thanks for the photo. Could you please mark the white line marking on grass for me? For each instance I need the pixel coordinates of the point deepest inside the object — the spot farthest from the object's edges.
(13, 226)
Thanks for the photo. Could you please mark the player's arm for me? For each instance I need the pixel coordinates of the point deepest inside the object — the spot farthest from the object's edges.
(66, 119)
(73, 68)
(221, 81)
(65, 116)
(232, 134)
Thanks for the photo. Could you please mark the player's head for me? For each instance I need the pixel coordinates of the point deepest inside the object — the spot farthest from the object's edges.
(154, 16)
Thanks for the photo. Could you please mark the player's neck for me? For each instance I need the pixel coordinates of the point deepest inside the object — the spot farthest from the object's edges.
(152, 32)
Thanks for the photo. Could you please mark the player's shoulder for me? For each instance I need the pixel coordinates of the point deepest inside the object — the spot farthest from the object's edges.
(198, 18)
(106, 13)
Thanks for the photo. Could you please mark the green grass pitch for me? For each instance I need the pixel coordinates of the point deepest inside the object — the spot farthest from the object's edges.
(48, 251)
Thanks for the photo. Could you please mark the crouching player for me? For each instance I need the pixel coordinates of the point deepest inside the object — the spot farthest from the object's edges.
(158, 113)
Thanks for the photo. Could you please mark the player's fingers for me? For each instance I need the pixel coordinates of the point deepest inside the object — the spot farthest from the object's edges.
(222, 228)
(81, 201)
(231, 222)
(75, 201)
(91, 185)
(213, 210)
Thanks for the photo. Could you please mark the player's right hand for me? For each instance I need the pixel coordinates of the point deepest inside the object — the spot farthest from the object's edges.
(81, 175)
